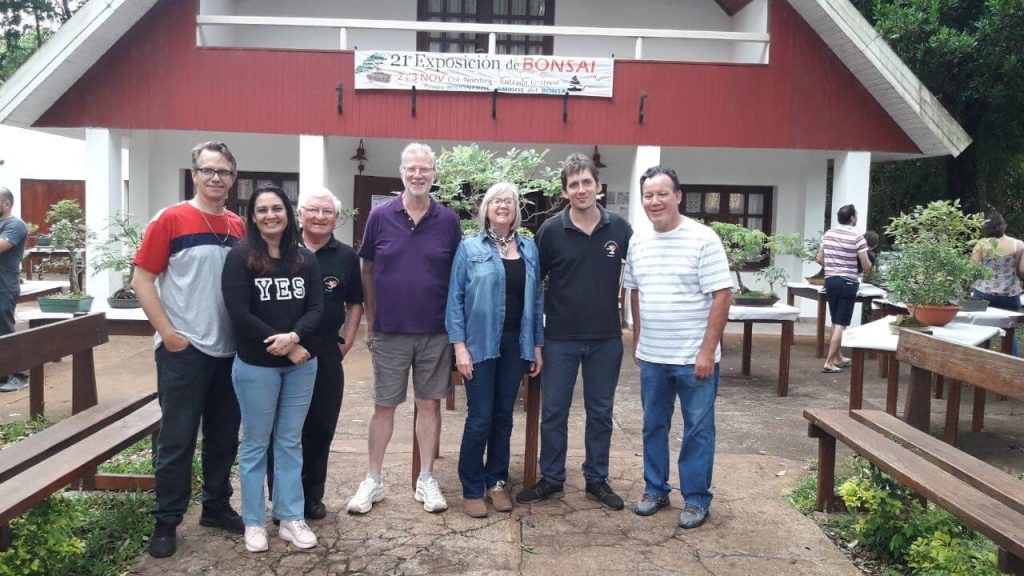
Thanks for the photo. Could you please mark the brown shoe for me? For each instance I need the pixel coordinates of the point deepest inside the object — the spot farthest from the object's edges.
(498, 496)
(475, 507)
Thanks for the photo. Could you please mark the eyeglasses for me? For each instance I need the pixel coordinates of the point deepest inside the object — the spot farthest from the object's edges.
(208, 173)
(417, 170)
(324, 212)
(503, 202)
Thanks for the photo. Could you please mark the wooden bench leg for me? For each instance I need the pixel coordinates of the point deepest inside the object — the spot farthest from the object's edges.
(786, 348)
(826, 469)
(937, 381)
(819, 351)
(36, 392)
(978, 414)
(748, 340)
(892, 383)
(952, 413)
(449, 403)
(5, 537)
(1010, 564)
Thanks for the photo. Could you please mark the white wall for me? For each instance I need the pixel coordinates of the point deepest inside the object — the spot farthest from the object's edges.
(689, 15)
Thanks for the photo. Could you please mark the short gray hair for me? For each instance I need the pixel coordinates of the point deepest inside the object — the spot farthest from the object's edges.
(417, 149)
(6, 195)
(321, 192)
(497, 189)
(212, 146)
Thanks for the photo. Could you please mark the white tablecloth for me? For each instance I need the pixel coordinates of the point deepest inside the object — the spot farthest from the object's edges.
(98, 305)
(990, 317)
(877, 336)
(30, 287)
(777, 312)
(865, 290)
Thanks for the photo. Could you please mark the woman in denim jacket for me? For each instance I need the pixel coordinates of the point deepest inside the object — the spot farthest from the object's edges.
(495, 322)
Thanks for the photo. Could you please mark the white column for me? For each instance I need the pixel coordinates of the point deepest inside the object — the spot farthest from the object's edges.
(139, 200)
(103, 189)
(312, 163)
(851, 178)
(645, 157)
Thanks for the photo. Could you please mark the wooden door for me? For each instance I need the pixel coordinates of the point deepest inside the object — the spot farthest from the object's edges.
(365, 188)
(38, 195)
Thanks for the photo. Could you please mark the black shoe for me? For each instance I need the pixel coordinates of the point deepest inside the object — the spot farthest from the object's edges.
(604, 494)
(164, 541)
(315, 510)
(542, 490)
(693, 516)
(650, 504)
(225, 519)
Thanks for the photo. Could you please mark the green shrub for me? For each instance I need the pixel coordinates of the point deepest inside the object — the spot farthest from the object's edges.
(44, 540)
(953, 551)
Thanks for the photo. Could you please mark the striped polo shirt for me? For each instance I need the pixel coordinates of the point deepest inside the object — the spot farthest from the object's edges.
(676, 273)
(841, 246)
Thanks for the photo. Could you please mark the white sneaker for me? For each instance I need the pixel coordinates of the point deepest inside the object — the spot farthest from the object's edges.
(298, 533)
(429, 492)
(255, 538)
(369, 491)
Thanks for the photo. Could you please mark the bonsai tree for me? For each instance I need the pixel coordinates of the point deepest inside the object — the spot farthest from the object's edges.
(68, 231)
(118, 252)
(464, 173)
(932, 264)
(743, 246)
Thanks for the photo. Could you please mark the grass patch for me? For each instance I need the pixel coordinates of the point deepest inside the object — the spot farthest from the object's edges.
(11, 433)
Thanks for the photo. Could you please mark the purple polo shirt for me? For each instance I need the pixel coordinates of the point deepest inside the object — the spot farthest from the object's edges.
(411, 266)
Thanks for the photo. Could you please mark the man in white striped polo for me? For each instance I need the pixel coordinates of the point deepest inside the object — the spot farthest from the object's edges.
(682, 290)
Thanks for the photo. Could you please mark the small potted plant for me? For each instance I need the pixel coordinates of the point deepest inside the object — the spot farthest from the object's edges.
(68, 231)
(932, 271)
(117, 253)
(743, 246)
(809, 254)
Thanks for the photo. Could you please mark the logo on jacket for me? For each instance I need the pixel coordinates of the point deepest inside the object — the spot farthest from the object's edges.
(611, 248)
(330, 283)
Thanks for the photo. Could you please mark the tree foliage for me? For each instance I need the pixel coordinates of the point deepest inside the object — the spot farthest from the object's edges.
(25, 25)
(970, 54)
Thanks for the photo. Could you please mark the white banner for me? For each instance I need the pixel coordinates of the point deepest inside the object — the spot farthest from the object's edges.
(554, 75)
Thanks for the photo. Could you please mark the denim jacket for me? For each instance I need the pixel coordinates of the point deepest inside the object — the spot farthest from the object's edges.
(476, 299)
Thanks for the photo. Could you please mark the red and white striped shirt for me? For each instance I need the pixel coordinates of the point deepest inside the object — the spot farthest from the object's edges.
(841, 246)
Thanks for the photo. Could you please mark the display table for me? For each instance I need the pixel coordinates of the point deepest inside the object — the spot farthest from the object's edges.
(865, 295)
(780, 314)
(120, 321)
(877, 336)
(32, 290)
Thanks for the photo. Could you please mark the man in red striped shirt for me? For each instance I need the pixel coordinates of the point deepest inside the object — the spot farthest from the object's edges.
(841, 248)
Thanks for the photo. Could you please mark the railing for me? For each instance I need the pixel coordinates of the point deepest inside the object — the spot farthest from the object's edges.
(343, 25)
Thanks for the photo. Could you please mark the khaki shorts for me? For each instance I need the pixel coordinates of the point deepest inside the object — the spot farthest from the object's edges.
(428, 355)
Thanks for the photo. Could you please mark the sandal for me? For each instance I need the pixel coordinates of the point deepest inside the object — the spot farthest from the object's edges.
(844, 363)
(831, 369)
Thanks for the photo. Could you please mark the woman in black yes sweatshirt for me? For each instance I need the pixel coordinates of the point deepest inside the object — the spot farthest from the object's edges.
(272, 292)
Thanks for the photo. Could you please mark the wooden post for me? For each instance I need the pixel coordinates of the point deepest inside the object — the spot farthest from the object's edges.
(857, 379)
(892, 383)
(819, 352)
(826, 468)
(785, 348)
(978, 413)
(952, 412)
(917, 410)
(36, 392)
(748, 337)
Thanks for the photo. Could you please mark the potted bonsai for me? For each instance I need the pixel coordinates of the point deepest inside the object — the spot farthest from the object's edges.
(932, 271)
(743, 246)
(809, 254)
(68, 231)
(117, 253)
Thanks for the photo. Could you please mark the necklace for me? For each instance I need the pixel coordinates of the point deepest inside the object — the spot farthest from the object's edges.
(501, 241)
(210, 226)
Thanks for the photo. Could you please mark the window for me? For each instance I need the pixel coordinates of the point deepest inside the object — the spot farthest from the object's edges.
(245, 183)
(748, 206)
(523, 12)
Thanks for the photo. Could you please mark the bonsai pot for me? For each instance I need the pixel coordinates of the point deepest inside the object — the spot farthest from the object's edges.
(123, 302)
(970, 305)
(42, 240)
(754, 299)
(934, 315)
(818, 279)
(904, 322)
(65, 305)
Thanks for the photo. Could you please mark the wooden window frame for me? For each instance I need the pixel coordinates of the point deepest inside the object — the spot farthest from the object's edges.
(723, 214)
(484, 15)
(233, 202)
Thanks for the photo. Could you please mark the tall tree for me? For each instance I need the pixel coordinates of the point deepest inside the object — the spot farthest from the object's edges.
(970, 54)
(25, 25)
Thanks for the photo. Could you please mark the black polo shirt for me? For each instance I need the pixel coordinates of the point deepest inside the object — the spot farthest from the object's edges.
(342, 284)
(583, 272)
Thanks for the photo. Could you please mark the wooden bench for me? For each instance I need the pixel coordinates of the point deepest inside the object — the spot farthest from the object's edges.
(68, 452)
(982, 496)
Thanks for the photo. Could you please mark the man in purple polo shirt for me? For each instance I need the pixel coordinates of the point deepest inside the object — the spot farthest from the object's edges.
(407, 253)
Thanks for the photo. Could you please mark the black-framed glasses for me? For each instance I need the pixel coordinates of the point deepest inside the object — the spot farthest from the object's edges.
(209, 173)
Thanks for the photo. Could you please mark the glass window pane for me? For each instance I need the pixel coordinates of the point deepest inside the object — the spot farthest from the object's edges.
(454, 47)
(692, 203)
(755, 204)
(712, 202)
(735, 203)
(518, 7)
(470, 7)
(537, 7)
(435, 47)
(434, 6)
(500, 7)
(454, 6)
(244, 188)
(755, 223)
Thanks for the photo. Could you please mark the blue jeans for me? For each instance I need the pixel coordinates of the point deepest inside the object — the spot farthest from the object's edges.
(491, 397)
(192, 386)
(601, 360)
(1011, 303)
(659, 386)
(274, 402)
